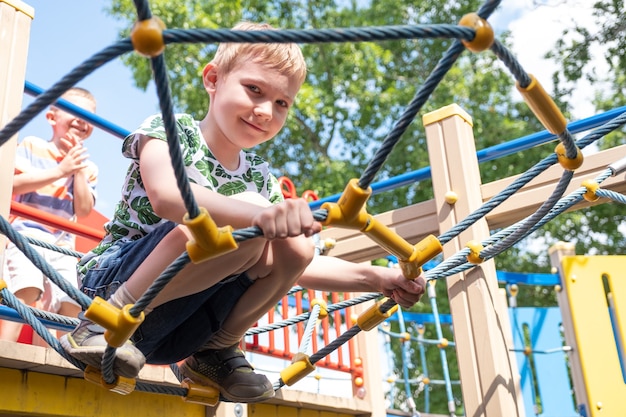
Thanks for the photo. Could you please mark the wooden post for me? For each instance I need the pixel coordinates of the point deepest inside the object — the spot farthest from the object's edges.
(15, 20)
(489, 376)
(368, 349)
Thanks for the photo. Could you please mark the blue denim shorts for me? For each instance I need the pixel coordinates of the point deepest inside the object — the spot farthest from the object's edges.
(178, 328)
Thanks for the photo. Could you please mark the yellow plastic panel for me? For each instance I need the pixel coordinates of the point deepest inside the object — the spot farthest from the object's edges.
(32, 393)
(595, 340)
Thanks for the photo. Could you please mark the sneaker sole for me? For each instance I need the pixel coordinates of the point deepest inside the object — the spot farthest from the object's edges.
(203, 380)
(126, 364)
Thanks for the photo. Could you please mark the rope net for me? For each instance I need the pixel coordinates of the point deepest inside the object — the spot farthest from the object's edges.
(473, 33)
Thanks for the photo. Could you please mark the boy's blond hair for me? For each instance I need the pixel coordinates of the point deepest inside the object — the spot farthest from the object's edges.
(76, 91)
(286, 58)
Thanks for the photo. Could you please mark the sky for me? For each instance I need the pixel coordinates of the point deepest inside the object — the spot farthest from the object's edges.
(66, 33)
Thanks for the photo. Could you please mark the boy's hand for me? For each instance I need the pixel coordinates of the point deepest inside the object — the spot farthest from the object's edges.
(403, 291)
(75, 158)
(290, 218)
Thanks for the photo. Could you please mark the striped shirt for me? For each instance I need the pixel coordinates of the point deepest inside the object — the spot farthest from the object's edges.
(35, 154)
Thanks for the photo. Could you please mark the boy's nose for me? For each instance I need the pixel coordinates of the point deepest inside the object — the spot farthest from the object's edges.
(263, 110)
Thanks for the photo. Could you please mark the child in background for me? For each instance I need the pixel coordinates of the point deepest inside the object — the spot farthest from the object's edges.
(57, 177)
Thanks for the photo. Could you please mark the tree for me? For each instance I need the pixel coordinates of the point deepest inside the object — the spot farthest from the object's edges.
(595, 231)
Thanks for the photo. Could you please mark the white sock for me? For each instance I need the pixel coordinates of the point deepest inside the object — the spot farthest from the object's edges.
(221, 340)
(122, 297)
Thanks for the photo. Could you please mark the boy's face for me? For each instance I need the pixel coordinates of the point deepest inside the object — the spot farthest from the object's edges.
(69, 127)
(250, 104)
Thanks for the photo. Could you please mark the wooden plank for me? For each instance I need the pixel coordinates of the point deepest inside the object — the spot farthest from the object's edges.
(527, 200)
(490, 388)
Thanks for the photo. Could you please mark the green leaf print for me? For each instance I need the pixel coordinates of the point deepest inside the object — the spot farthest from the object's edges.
(203, 167)
(121, 212)
(254, 159)
(118, 232)
(145, 214)
(219, 172)
(258, 179)
(232, 188)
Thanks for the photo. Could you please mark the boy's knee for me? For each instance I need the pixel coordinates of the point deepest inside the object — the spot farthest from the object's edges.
(297, 251)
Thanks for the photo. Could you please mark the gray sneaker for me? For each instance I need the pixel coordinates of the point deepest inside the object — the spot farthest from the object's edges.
(87, 344)
(229, 372)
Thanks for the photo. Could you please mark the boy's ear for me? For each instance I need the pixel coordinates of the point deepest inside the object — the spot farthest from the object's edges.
(209, 75)
(50, 117)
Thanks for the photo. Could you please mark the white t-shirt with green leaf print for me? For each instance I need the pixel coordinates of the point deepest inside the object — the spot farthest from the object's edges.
(134, 217)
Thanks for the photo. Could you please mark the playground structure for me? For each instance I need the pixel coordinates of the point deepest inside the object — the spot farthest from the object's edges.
(489, 376)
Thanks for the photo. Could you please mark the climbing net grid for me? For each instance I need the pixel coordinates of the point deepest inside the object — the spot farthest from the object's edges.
(149, 39)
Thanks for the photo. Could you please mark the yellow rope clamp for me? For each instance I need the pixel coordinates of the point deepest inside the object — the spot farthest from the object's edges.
(484, 32)
(571, 164)
(323, 307)
(475, 248)
(147, 37)
(122, 385)
(372, 317)
(120, 324)
(591, 187)
(300, 367)
(423, 251)
(209, 240)
(349, 211)
(543, 106)
(200, 394)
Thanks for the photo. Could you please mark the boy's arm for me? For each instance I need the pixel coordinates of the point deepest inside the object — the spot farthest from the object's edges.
(83, 195)
(327, 273)
(289, 218)
(160, 183)
(26, 182)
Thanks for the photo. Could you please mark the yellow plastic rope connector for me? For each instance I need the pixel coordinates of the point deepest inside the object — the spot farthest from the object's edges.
(323, 307)
(300, 367)
(349, 211)
(484, 32)
(3, 284)
(571, 164)
(423, 251)
(372, 317)
(475, 248)
(543, 106)
(210, 240)
(120, 324)
(147, 37)
(451, 197)
(591, 187)
(200, 394)
(122, 385)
